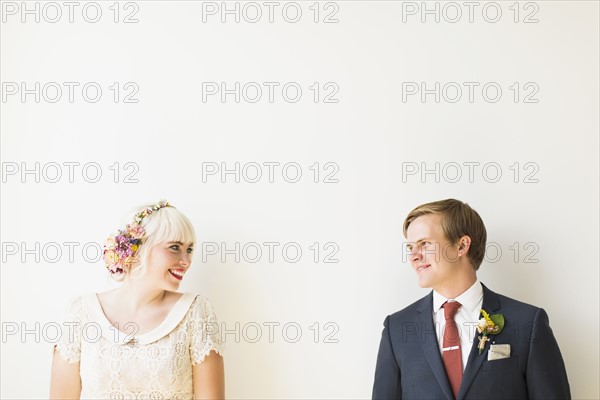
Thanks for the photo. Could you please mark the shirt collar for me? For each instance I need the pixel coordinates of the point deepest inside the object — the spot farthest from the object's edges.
(469, 299)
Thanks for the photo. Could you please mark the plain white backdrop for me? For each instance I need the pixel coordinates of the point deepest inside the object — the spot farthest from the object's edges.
(351, 86)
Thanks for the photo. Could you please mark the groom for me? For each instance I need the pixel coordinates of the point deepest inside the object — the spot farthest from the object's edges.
(442, 346)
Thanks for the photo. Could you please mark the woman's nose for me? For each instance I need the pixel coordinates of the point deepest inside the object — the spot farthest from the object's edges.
(186, 259)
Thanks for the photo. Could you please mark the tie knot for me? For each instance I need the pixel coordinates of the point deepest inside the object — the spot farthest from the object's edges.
(450, 309)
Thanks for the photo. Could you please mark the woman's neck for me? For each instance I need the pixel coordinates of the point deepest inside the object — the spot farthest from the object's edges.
(136, 296)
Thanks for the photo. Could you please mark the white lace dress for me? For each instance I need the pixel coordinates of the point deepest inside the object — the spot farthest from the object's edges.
(118, 364)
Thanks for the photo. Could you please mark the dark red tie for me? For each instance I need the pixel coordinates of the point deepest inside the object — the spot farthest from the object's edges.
(451, 352)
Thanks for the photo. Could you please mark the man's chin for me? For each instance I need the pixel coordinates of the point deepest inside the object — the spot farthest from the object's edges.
(424, 284)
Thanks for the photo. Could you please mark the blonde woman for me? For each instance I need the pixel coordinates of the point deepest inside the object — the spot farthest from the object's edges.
(143, 339)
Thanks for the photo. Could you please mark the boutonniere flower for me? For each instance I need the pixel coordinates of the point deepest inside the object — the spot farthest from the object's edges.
(489, 325)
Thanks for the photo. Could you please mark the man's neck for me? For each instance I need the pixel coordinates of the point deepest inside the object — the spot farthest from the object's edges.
(457, 288)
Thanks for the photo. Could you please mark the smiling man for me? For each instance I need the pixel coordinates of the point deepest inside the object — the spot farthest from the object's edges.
(463, 341)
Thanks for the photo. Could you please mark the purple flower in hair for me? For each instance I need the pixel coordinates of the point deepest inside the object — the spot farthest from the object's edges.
(120, 249)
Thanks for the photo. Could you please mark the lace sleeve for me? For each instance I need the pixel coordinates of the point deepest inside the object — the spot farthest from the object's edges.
(204, 326)
(69, 344)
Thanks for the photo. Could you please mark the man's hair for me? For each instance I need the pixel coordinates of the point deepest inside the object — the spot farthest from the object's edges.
(458, 219)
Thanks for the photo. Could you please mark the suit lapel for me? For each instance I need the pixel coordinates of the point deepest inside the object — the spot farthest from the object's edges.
(491, 304)
(431, 347)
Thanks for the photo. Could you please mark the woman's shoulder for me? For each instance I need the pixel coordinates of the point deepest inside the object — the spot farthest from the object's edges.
(75, 307)
(200, 306)
(76, 302)
(199, 299)
(202, 323)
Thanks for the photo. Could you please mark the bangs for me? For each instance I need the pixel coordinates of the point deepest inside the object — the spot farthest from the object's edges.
(170, 225)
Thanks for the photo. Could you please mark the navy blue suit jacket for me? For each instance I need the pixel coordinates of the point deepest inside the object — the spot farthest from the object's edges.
(410, 366)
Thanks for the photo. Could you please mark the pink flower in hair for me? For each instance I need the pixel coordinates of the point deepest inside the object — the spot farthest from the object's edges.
(136, 231)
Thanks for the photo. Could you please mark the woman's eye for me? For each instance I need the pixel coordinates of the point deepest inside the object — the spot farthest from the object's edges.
(189, 250)
(174, 247)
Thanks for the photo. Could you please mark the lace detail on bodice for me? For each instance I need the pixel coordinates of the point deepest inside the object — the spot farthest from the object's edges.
(143, 367)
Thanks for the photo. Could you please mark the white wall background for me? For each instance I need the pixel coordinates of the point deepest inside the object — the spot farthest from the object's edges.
(371, 134)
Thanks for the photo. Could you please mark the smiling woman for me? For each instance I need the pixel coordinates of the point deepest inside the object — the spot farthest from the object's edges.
(143, 339)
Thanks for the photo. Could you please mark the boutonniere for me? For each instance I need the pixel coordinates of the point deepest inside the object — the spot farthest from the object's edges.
(489, 325)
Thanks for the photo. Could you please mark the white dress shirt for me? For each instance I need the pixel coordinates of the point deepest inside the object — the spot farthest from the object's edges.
(466, 317)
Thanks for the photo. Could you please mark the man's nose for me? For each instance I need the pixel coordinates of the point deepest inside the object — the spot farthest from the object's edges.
(415, 254)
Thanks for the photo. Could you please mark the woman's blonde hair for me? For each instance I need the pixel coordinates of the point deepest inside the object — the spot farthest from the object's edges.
(167, 224)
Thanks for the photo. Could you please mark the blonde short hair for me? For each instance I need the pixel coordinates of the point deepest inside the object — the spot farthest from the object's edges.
(458, 219)
(167, 224)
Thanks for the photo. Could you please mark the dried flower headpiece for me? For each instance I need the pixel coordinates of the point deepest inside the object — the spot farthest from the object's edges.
(120, 249)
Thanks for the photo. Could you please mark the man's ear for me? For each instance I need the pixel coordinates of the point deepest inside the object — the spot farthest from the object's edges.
(464, 243)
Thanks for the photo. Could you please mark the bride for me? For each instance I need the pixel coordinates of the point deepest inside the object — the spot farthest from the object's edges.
(143, 339)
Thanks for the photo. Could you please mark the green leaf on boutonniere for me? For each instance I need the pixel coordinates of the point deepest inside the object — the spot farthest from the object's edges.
(498, 320)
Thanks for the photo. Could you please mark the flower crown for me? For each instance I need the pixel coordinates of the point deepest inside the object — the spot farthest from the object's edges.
(120, 249)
